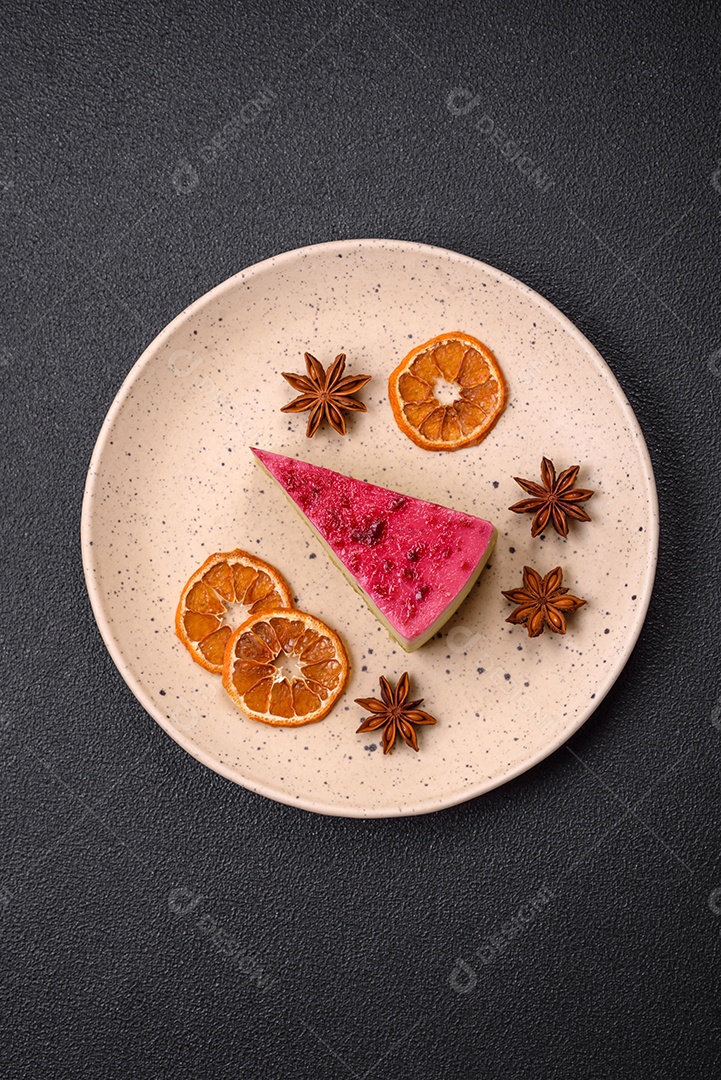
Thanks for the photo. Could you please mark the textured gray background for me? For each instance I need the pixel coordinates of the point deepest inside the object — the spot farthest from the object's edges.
(155, 920)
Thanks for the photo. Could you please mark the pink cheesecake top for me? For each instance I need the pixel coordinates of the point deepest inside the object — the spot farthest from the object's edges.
(412, 557)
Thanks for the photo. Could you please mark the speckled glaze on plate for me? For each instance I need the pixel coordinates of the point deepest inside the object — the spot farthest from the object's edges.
(172, 481)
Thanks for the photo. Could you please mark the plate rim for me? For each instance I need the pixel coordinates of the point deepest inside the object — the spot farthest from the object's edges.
(137, 689)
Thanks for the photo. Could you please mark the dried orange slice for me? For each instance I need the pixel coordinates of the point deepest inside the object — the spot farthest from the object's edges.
(207, 614)
(285, 668)
(448, 393)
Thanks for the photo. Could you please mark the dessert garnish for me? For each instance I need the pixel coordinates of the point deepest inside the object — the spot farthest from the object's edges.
(285, 668)
(412, 561)
(542, 602)
(394, 713)
(448, 393)
(205, 620)
(556, 501)
(325, 393)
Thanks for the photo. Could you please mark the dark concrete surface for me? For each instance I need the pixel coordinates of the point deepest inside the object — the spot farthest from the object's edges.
(156, 920)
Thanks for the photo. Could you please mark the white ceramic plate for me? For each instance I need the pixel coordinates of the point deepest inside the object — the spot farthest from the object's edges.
(172, 481)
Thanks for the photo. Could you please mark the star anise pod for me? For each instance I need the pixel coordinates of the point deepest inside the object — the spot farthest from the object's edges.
(326, 393)
(395, 714)
(556, 501)
(542, 602)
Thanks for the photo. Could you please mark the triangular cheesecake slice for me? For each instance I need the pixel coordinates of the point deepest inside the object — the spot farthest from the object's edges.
(414, 562)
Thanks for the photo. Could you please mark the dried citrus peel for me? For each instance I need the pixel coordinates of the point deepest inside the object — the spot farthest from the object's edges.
(208, 608)
(285, 668)
(448, 393)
